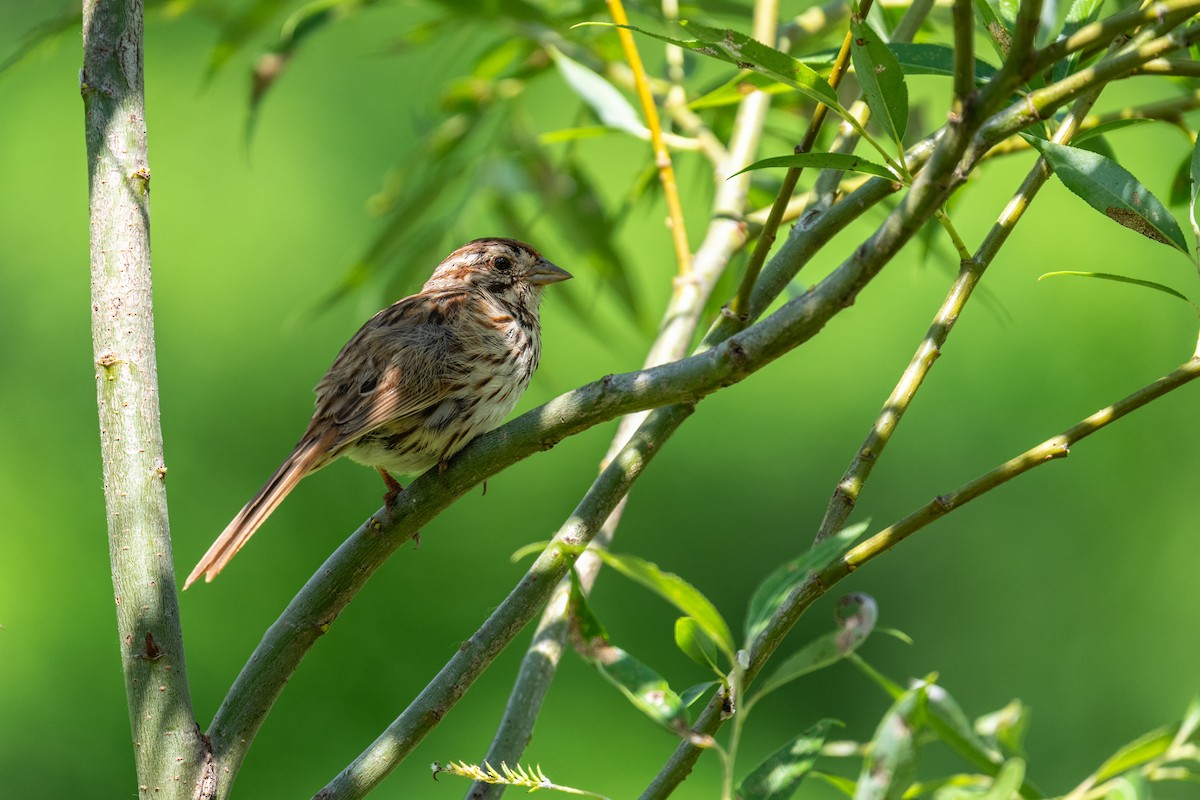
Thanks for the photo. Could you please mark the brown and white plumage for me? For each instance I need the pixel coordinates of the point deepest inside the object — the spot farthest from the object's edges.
(419, 380)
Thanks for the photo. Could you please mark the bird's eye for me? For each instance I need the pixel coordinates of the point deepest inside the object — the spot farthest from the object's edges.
(503, 263)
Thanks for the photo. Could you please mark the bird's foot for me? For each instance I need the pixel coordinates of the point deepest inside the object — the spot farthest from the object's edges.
(393, 485)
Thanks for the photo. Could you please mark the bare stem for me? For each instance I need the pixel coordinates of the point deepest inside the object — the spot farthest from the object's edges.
(662, 156)
(169, 752)
(971, 271)
(801, 598)
(738, 309)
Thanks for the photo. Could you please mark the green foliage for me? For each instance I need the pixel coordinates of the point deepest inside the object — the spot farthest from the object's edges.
(518, 116)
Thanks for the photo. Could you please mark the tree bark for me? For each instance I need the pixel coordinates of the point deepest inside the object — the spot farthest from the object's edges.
(169, 750)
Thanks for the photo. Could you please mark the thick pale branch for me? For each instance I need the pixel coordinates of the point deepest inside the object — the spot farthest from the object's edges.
(168, 750)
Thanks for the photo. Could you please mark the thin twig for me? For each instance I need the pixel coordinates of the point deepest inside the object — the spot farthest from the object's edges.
(970, 272)
(662, 156)
(522, 604)
(726, 234)
(801, 598)
(738, 310)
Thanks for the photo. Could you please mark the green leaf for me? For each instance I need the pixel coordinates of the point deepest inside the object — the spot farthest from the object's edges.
(842, 161)
(778, 777)
(601, 96)
(856, 616)
(1110, 189)
(746, 53)
(947, 720)
(693, 693)
(676, 591)
(891, 765)
(1195, 189)
(881, 78)
(999, 30)
(640, 684)
(1181, 187)
(68, 20)
(1108, 276)
(774, 590)
(843, 785)
(736, 88)
(1081, 12)
(1141, 750)
(893, 689)
(1007, 782)
(934, 59)
(696, 644)
(1107, 127)
(1006, 727)
(1127, 787)
(239, 29)
(574, 134)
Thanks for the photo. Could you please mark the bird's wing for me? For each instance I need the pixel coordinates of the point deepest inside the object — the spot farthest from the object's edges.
(404, 360)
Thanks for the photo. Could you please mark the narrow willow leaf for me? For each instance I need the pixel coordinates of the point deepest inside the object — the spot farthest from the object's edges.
(1054, 15)
(696, 644)
(736, 88)
(893, 689)
(240, 28)
(774, 590)
(1006, 727)
(1127, 787)
(676, 591)
(1007, 782)
(999, 31)
(601, 96)
(1138, 752)
(1181, 187)
(842, 161)
(778, 777)
(1195, 190)
(1108, 276)
(891, 765)
(947, 720)
(934, 59)
(574, 134)
(1110, 189)
(843, 785)
(693, 693)
(1081, 12)
(747, 53)
(1190, 724)
(1107, 127)
(640, 684)
(881, 78)
(38, 35)
(856, 618)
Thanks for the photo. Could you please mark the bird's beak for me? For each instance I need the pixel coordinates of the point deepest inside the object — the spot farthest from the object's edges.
(545, 272)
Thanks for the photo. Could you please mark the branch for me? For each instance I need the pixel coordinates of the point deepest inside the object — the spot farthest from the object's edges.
(522, 604)
(738, 310)
(801, 598)
(726, 234)
(168, 749)
(970, 273)
(662, 157)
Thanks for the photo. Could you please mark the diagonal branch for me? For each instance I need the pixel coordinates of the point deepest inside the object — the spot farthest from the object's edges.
(807, 593)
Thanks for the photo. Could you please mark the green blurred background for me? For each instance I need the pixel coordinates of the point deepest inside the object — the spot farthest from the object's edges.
(1073, 588)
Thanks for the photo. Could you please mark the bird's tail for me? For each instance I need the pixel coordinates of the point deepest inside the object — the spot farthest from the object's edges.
(310, 455)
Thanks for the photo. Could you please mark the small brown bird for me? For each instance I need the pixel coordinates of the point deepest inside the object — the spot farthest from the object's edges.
(420, 380)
